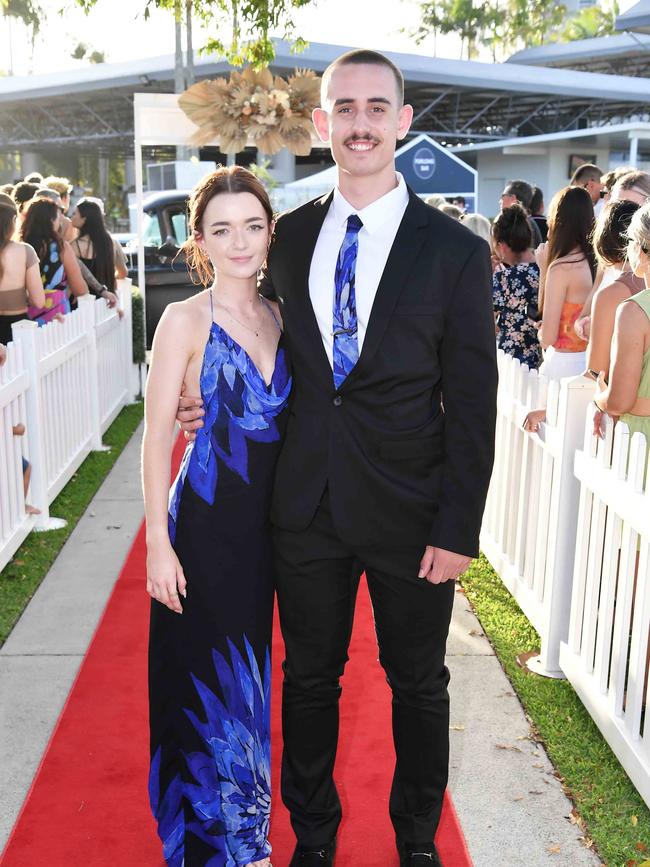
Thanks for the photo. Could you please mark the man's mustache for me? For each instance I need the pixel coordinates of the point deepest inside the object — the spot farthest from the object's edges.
(363, 137)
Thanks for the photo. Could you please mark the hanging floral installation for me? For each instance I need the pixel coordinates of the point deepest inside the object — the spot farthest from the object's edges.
(254, 108)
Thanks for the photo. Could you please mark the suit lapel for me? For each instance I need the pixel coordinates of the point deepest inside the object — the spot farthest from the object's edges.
(406, 247)
(301, 253)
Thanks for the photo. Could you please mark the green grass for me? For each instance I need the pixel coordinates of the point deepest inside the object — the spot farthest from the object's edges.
(611, 812)
(20, 578)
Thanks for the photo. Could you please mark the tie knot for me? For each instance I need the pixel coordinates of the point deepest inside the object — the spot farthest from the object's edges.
(354, 223)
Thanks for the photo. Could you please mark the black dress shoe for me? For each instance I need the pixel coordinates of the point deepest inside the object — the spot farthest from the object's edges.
(418, 856)
(306, 857)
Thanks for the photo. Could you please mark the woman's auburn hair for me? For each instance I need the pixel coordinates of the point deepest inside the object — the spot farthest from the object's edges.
(226, 179)
(38, 229)
(570, 224)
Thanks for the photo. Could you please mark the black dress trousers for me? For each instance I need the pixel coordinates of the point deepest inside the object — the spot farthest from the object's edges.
(317, 577)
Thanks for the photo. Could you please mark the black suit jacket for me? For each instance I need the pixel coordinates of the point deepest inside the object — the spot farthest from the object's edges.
(401, 470)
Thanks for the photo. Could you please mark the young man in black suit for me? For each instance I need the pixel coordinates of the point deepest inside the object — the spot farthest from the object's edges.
(388, 317)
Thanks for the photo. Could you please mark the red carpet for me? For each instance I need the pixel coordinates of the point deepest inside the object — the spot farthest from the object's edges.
(88, 804)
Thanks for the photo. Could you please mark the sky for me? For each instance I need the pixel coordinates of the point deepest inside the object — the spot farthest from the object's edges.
(116, 28)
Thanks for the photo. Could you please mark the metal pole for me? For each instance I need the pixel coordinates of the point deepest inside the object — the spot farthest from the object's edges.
(138, 201)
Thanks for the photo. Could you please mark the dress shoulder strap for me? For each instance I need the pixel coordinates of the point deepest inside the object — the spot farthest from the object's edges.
(631, 281)
(271, 311)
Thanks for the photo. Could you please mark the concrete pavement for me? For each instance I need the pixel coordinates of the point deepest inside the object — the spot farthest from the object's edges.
(511, 806)
(40, 659)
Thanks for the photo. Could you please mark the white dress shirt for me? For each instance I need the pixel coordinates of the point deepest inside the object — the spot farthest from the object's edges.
(380, 220)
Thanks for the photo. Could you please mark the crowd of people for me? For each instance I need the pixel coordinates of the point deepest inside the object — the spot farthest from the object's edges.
(562, 282)
(48, 260)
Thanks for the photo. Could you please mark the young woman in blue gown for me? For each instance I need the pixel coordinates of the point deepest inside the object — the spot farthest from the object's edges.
(208, 538)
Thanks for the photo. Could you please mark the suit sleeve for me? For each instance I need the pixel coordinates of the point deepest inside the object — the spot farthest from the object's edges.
(469, 389)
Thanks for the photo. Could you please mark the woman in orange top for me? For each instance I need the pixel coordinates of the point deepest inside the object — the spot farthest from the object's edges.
(568, 269)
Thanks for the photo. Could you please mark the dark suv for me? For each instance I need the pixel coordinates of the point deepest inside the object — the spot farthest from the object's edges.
(166, 275)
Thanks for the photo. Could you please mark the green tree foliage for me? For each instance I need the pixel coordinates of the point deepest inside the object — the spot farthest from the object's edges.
(532, 22)
(591, 22)
(81, 51)
(251, 22)
(27, 11)
(503, 26)
(470, 20)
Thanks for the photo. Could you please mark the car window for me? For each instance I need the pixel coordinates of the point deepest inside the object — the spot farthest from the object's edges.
(151, 230)
(179, 226)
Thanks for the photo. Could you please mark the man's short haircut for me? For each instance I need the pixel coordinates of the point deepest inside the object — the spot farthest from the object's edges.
(367, 57)
(584, 174)
(34, 178)
(522, 191)
(536, 202)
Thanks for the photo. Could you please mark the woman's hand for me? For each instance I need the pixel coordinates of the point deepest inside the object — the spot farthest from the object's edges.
(541, 254)
(600, 414)
(165, 578)
(110, 298)
(582, 327)
(533, 420)
(599, 423)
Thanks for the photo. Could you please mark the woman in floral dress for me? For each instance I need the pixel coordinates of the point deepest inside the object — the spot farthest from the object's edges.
(515, 287)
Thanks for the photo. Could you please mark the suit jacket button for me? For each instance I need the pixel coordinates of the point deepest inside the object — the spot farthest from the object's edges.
(338, 400)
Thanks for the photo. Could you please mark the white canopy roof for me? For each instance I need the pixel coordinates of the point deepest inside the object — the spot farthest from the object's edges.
(417, 69)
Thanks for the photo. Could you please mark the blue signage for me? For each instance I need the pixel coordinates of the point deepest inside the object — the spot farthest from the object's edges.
(429, 168)
(424, 163)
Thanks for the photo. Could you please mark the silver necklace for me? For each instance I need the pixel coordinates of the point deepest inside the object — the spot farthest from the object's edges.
(232, 316)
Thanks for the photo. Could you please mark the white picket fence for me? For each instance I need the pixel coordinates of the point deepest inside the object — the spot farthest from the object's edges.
(528, 531)
(567, 528)
(14, 523)
(607, 651)
(65, 382)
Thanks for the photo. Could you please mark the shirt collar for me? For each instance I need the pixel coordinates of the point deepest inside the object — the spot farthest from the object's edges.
(374, 215)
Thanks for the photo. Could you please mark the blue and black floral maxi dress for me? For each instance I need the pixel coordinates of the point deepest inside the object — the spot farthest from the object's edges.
(209, 668)
(515, 290)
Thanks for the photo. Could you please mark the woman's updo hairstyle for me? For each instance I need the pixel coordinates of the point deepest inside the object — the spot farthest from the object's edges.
(226, 179)
(511, 227)
(610, 232)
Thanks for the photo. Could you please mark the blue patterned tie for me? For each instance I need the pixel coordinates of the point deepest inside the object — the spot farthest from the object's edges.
(345, 352)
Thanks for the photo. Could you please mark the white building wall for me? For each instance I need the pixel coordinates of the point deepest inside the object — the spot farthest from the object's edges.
(544, 166)
(495, 169)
